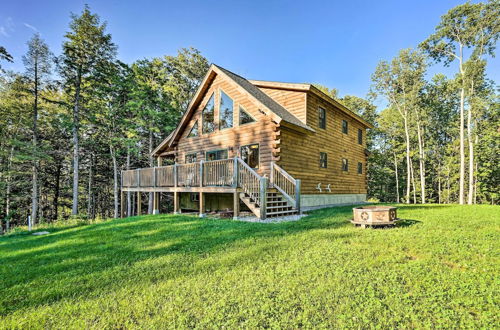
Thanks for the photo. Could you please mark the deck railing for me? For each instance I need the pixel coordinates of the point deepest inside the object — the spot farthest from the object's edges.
(288, 186)
(218, 172)
(188, 175)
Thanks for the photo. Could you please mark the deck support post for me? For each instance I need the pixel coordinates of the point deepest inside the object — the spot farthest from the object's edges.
(202, 204)
(236, 205)
(263, 198)
(156, 203)
(176, 203)
(297, 194)
(139, 203)
(122, 204)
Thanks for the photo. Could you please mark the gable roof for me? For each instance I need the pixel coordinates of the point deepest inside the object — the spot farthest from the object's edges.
(277, 112)
(313, 89)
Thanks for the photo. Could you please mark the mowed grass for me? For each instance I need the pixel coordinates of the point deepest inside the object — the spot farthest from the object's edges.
(440, 268)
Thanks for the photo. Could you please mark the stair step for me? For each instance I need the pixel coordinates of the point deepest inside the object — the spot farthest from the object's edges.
(281, 213)
(279, 207)
(277, 202)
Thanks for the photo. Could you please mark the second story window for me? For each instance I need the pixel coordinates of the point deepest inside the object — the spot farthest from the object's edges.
(225, 111)
(360, 168)
(207, 118)
(360, 136)
(323, 160)
(322, 118)
(345, 165)
(345, 128)
(194, 130)
(245, 117)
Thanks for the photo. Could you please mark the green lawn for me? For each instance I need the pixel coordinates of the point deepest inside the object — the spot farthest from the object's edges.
(438, 269)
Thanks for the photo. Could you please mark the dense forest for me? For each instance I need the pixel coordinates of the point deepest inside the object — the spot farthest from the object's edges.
(72, 121)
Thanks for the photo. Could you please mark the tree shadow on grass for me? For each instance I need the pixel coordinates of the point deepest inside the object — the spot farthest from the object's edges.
(407, 222)
(78, 261)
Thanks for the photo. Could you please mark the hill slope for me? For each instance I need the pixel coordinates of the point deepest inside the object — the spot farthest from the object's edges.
(177, 271)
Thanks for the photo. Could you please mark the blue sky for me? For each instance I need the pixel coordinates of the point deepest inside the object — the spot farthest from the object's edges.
(335, 43)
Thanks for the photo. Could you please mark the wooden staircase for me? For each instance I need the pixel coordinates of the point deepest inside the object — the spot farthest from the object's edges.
(276, 205)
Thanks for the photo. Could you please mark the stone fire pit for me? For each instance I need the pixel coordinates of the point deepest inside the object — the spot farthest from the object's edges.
(374, 216)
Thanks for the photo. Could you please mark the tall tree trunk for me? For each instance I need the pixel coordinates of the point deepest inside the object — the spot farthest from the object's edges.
(90, 197)
(439, 181)
(57, 186)
(413, 183)
(408, 161)
(8, 189)
(115, 182)
(76, 125)
(462, 150)
(421, 160)
(129, 199)
(150, 199)
(34, 191)
(470, 196)
(397, 178)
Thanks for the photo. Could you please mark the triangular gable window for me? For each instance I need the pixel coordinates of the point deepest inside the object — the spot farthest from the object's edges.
(245, 117)
(207, 120)
(194, 130)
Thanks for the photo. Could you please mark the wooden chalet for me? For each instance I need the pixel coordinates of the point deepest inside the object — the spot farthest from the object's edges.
(272, 147)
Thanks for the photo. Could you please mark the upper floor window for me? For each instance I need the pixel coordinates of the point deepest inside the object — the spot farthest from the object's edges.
(250, 155)
(194, 130)
(216, 154)
(208, 123)
(323, 160)
(345, 165)
(345, 127)
(360, 136)
(225, 111)
(360, 168)
(191, 158)
(245, 117)
(322, 118)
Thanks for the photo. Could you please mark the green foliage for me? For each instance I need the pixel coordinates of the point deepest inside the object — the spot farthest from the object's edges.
(320, 272)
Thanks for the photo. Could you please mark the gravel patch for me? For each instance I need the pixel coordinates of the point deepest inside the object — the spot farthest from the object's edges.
(287, 218)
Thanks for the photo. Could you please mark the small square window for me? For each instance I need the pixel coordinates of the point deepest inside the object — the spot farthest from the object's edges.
(322, 118)
(360, 136)
(191, 158)
(323, 160)
(360, 168)
(345, 165)
(345, 128)
(195, 197)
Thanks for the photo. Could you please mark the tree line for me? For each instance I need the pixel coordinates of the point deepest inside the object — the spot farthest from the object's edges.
(70, 123)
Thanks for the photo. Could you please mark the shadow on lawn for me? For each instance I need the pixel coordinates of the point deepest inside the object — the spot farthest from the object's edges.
(407, 222)
(100, 256)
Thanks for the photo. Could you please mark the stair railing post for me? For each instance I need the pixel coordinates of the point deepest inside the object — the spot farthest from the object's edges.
(297, 194)
(235, 173)
(201, 173)
(271, 175)
(263, 198)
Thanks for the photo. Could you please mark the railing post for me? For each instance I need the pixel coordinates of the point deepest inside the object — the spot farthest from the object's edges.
(297, 195)
(271, 175)
(175, 174)
(235, 173)
(263, 197)
(154, 177)
(201, 175)
(138, 178)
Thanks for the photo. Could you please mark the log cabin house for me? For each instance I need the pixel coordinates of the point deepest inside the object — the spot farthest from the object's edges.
(272, 147)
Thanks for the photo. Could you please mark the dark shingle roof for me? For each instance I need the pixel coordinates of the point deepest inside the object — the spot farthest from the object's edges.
(265, 99)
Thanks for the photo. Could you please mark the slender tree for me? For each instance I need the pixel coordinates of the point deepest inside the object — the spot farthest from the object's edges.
(87, 46)
(37, 62)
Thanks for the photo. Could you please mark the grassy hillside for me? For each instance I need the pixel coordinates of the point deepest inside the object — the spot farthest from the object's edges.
(440, 268)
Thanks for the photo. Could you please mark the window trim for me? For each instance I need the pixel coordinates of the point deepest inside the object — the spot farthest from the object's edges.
(326, 159)
(251, 144)
(360, 136)
(346, 169)
(346, 126)
(248, 113)
(219, 111)
(321, 120)
(215, 150)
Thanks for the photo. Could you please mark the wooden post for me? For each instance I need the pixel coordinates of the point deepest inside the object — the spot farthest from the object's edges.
(201, 174)
(176, 203)
(138, 178)
(156, 203)
(202, 205)
(122, 204)
(271, 175)
(297, 194)
(139, 203)
(235, 173)
(175, 174)
(159, 160)
(236, 205)
(263, 198)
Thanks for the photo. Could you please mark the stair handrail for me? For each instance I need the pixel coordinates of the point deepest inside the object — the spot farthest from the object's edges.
(286, 184)
(250, 182)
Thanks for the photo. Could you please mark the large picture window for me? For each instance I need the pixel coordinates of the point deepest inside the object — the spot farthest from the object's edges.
(322, 118)
(225, 111)
(250, 155)
(216, 154)
(323, 160)
(245, 117)
(208, 123)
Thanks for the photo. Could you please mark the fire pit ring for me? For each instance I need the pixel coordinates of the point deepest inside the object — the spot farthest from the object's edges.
(374, 216)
